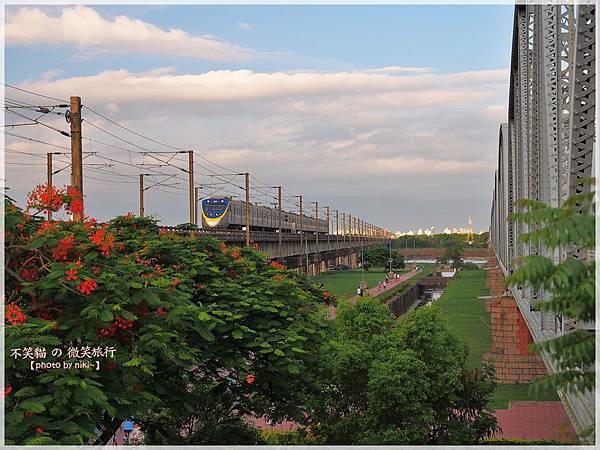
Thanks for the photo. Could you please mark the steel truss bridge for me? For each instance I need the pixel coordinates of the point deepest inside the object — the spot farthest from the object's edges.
(547, 145)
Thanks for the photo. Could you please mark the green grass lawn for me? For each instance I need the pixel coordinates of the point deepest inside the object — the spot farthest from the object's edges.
(466, 314)
(345, 282)
(506, 393)
(470, 321)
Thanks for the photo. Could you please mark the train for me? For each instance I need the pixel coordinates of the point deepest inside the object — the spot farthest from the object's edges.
(226, 213)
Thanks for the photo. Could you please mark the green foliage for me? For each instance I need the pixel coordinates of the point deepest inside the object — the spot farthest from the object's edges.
(392, 382)
(468, 266)
(197, 314)
(442, 241)
(379, 256)
(569, 284)
(294, 437)
(451, 254)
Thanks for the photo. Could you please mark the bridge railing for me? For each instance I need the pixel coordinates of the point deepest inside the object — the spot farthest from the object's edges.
(547, 145)
(269, 236)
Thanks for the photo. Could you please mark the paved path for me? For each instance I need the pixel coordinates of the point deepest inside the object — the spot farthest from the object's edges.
(375, 291)
(535, 420)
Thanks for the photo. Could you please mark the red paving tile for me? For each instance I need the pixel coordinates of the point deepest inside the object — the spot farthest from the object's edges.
(532, 420)
(264, 425)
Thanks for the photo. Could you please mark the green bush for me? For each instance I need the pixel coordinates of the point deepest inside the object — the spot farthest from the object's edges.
(293, 437)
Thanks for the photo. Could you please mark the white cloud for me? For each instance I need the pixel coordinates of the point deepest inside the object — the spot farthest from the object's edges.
(399, 69)
(301, 87)
(244, 26)
(358, 141)
(51, 74)
(85, 28)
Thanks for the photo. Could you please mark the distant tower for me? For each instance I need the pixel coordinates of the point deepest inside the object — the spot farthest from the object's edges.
(470, 238)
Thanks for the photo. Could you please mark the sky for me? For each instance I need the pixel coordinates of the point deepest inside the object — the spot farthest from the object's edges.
(389, 113)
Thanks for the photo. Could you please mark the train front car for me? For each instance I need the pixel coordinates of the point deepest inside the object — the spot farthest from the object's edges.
(214, 212)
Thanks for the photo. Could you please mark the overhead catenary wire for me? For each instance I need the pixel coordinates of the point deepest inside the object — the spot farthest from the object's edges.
(259, 189)
(34, 93)
(38, 122)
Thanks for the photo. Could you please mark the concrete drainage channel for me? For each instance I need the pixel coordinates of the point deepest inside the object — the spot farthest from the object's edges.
(424, 292)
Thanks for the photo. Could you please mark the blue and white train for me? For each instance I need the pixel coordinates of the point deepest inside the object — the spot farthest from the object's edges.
(222, 212)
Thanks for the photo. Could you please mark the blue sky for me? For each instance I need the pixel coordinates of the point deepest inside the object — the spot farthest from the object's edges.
(323, 99)
(449, 38)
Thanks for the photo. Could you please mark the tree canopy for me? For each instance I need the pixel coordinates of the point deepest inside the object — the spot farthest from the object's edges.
(160, 312)
(384, 381)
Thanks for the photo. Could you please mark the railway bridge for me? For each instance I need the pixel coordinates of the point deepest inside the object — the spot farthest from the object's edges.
(545, 148)
(309, 253)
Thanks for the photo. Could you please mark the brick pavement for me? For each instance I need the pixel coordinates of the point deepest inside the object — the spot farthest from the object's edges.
(535, 420)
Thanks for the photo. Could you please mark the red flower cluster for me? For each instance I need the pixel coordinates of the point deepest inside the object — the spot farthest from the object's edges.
(75, 205)
(29, 274)
(277, 265)
(161, 311)
(46, 226)
(118, 323)
(86, 287)
(175, 282)
(98, 237)
(7, 391)
(223, 248)
(59, 253)
(89, 223)
(105, 241)
(326, 295)
(45, 197)
(14, 315)
(145, 262)
(235, 253)
(71, 274)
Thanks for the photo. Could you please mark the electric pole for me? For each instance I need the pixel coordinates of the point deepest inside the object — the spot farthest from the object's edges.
(196, 197)
(49, 156)
(317, 237)
(247, 175)
(191, 184)
(301, 233)
(76, 157)
(350, 240)
(343, 233)
(390, 254)
(362, 253)
(328, 229)
(279, 252)
(337, 238)
(141, 195)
